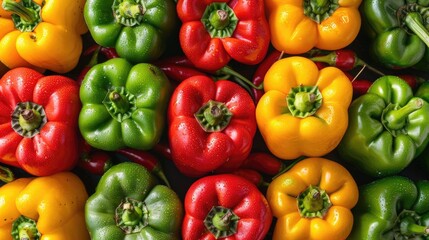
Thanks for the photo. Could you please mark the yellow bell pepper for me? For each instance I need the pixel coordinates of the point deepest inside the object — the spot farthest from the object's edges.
(297, 26)
(303, 111)
(41, 34)
(313, 201)
(50, 207)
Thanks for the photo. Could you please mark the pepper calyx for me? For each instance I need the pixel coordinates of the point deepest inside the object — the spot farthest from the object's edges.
(319, 10)
(313, 202)
(219, 20)
(129, 12)
(213, 116)
(412, 18)
(408, 225)
(119, 103)
(26, 14)
(28, 118)
(25, 228)
(131, 215)
(221, 222)
(394, 117)
(304, 101)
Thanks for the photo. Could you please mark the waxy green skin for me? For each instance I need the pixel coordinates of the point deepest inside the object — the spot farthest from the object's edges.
(373, 147)
(380, 203)
(423, 92)
(392, 44)
(143, 42)
(127, 179)
(143, 129)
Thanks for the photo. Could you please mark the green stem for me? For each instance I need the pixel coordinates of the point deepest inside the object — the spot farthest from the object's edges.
(26, 14)
(413, 20)
(304, 101)
(395, 119)
(6, 175)
(28, 118)
(213, 116)
(221, 222)
(120, 103)
(128, 12)
(24, 228)
(219, 20)
(319, 10)
(131, 216)
(313, 202)
(231, 72)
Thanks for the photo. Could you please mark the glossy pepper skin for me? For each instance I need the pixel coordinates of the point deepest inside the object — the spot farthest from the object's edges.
(390, 208)
(215, 32)
(52, 206)
(313, 103)
(128, 203)
(41, 34)
(228, 197)
(298, 26)
(397, 33)
(137, 29)
(39, 121)
(211, 126)
(313, 200)
(123, 105)
(423, 92)
(388, 128)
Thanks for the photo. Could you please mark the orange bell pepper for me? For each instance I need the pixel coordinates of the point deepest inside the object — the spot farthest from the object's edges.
(50, 207)
(41, 34)
(303, 111)
(313, 201)
(297, 26)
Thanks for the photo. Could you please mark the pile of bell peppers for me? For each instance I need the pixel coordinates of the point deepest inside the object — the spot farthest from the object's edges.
(188, 119)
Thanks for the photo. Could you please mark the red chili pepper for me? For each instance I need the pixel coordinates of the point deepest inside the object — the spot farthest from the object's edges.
(178, 68)
(261, 70)
(163, 149)
(360, 86)
(95, 50)
(412, 80)
(145, 159)
(264, 163)
(96, 162)
(252, 175)
(344, 59)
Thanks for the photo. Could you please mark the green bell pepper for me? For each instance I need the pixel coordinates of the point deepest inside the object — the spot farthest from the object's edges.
(398, 31)
(388, 128)
(137, 29)
(128, 203)
(393, 207)
(123, 105)
(423, 92)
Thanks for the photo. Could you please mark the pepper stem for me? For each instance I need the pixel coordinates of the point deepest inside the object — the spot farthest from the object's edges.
(313, 202)
(28, 118)
(219, 20)
(221, 222)
(6, 175)
(394, 117)
(25, 14)
(408, 227)
(413, 20)
(129, 12)
(304, 101)
(213, 116)
(131, 216)
(119, 103)
(319, 10)
(24, 228)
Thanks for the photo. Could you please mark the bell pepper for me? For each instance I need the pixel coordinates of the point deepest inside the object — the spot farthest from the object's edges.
(313, 103)
(38, 121)
(313, 200)
(298, 26)
(423, 92)
(388, 128)
(225, 206)
(215, 32)
(123, 105)
(393, 207)
(41, 34)
(49, 207)
(397, 32)
(137, 29)
(211, 126)
(128, 203)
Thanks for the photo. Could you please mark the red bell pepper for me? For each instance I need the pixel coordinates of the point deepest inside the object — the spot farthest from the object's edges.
(225, 206)
(211, 126)
(214, 32)
(38, 121)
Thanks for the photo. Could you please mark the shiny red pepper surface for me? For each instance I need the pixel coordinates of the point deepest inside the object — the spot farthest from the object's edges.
(38, 121)
(211, 126)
